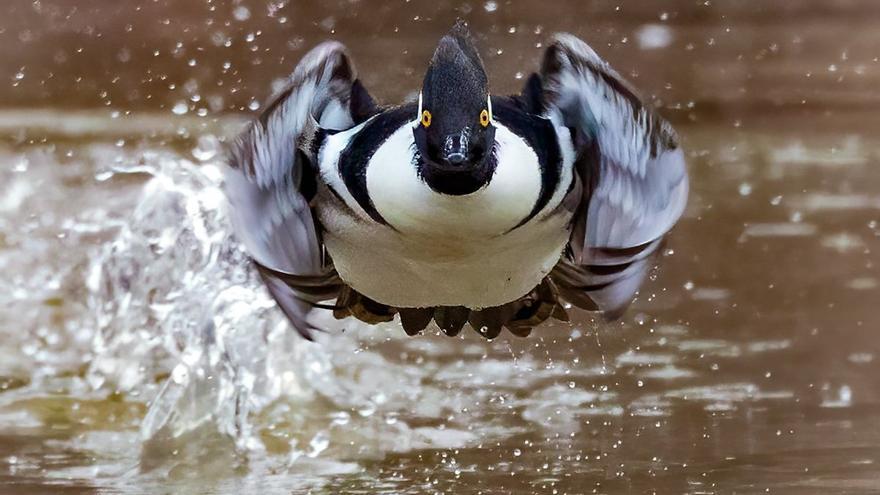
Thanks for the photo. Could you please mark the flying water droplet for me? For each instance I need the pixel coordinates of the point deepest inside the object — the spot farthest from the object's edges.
(180, 108)
(319, 444)
(180, 374)
(206, 148)
(241, 13)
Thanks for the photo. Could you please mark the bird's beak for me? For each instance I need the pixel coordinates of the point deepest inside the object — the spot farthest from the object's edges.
(456, 147)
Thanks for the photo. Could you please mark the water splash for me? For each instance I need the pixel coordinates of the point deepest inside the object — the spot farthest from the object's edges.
(173, 292)
(176, 304)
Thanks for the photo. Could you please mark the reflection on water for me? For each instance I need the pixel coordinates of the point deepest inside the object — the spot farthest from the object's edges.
(139, 353)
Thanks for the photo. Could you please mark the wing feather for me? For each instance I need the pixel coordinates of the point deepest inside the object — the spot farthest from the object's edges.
(268, 168)
(632, 163)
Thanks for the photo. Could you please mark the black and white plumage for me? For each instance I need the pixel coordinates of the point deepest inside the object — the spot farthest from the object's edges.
(463, 207)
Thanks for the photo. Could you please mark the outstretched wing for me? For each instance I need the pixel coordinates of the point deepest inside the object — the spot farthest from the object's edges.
(632, 173)
(270, 179)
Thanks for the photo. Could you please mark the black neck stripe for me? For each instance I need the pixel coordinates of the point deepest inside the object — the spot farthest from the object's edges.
(354, 158)
(540, 135)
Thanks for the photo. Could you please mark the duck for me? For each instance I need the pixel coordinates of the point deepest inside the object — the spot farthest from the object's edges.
(459, 207)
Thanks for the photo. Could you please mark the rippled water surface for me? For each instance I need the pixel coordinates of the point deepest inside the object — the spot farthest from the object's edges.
(139, 353)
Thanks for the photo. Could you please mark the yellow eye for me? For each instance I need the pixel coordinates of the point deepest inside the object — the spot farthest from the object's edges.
(484, 118)
(426, 118)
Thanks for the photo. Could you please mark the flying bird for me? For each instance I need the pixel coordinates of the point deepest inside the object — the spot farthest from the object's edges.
(462, 207)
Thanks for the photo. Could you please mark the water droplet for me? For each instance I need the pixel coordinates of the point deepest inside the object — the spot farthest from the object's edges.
(654, 36)
(21, 165)
(367, 410)
(241, 13)
(180, 108)
(319, 444)
(104, 175)
(341, 418)
(180, 374)
(205, 149)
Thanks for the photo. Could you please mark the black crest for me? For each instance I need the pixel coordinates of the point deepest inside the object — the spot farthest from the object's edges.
(455, 88)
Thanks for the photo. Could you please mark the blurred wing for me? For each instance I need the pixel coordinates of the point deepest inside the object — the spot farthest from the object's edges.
(632, 169)
(270, 180)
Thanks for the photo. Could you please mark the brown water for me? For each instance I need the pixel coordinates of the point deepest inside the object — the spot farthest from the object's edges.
(139, 355)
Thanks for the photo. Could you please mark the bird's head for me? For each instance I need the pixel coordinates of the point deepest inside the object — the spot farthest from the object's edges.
(454, 132)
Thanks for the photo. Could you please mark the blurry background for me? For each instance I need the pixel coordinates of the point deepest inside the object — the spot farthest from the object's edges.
(138, 354)
(729, 59)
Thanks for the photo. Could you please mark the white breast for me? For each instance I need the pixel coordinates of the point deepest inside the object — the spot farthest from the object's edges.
(411, 207)
(441, 250)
